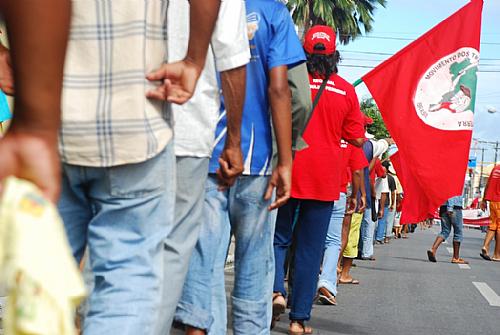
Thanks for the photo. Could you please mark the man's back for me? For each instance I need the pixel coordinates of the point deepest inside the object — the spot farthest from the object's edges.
(273, 42)
(107, 120)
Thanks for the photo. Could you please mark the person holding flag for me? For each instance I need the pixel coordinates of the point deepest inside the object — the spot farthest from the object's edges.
(436, 78)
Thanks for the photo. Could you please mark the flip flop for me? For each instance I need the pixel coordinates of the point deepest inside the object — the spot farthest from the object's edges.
(431, 256)
(484, 255)
(460, 261)
(495, 259)
(349, 282)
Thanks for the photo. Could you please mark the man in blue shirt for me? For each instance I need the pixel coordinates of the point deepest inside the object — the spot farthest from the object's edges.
(244, 208)
(451, 215)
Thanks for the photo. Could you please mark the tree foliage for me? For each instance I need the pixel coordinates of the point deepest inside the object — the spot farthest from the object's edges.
(347, 17)
(378, 128)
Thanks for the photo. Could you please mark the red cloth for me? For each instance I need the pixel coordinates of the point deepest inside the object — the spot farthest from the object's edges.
(493, 191)
(316, 170)
(353, 159)
(377, 171)
(431, 65)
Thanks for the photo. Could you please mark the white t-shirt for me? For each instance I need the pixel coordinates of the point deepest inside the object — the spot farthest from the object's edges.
(381, 186)
(196, 120)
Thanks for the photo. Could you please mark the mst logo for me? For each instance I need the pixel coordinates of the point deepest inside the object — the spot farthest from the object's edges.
(446, 93)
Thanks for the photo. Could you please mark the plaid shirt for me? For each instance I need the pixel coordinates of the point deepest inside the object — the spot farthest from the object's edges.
(107, 120)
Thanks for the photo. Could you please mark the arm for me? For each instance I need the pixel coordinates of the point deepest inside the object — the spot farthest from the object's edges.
(179, 79)
(38, 33)
(393, 201)
(279, 99)
(383, 200)
(484, 202)
(357, 180)
(231, 159)
(358, 142)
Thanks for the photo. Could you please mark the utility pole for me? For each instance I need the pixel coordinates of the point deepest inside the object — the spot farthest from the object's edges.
(481, 173)
(496, 152)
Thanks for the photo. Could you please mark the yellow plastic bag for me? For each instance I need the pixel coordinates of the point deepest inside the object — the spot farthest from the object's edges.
(43, 282)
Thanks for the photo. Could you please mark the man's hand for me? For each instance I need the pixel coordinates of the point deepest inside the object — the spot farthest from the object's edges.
(381, 213)
(392, 208)
(281, 179)
(483, 205)
(362, 204)
(231, 166)
(178, 81)
(351, 205)
(32, 157)
(6, 74)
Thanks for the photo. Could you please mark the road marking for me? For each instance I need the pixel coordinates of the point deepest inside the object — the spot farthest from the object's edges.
(464, 266)
(450, 250)
(488, 293)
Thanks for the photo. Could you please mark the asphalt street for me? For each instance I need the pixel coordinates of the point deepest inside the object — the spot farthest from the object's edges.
(403, 293)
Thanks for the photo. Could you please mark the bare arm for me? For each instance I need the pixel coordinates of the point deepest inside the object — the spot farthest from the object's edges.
(383, 200)
(231, 160)
(484, 202)
(356, 185)
(38, 32)
(179, 79)
(280, 101)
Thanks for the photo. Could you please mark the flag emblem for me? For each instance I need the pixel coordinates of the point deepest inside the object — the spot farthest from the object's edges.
(445, 95)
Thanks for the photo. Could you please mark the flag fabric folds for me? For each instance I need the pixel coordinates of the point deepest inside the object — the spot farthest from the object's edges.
(426, 95)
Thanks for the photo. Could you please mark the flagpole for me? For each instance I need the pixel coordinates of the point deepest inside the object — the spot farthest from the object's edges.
(357, 82)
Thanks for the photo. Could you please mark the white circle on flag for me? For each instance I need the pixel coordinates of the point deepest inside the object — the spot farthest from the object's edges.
(446, 92)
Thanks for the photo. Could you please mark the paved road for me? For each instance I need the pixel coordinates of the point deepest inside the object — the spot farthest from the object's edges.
(402, 293)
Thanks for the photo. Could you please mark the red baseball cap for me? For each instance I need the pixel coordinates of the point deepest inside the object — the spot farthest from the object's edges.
(320, 40)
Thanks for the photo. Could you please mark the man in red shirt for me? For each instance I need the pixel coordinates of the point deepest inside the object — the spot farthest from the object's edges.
(316, 176)
(492, 194)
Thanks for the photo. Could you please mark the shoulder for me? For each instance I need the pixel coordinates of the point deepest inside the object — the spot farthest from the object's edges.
(342, 83)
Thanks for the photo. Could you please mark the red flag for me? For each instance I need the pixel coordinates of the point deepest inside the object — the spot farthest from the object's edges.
(426, 94)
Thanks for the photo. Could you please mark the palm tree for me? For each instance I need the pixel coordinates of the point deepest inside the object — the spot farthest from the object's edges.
(345, 16)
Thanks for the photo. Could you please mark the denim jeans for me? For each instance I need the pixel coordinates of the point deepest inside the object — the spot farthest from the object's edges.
(328, 277)
(391, 216)
(455, 220)
(382, 225)
(309, 235)
(123, 213)
(367, 232)
(192, 173)
(246, 209)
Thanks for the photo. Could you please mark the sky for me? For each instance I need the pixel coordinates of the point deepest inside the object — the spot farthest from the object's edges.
(404, 20)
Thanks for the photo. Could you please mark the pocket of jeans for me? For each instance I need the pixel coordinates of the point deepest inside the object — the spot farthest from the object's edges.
(139, 180)
(252, 189)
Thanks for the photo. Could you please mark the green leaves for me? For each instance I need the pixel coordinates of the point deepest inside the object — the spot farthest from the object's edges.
(378, 128)
(347, 17)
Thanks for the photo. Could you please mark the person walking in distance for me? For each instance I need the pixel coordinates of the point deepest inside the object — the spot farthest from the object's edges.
(492, 195)
(451, 216)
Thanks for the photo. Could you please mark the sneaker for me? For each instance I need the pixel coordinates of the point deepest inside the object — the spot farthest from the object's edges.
(326, 297)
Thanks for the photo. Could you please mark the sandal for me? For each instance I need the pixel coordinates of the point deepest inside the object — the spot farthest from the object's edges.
(279, 306)
(431, 256)
(349, 282)
(299, 328)
(459, 261)
(484, 254)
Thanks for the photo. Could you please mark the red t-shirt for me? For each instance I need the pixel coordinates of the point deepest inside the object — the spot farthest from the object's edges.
(317, 169)
(377, 171)
(493, 193)
(353, 159)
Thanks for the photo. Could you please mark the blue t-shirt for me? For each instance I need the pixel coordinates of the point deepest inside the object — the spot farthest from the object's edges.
(273, 42)
(4, 108)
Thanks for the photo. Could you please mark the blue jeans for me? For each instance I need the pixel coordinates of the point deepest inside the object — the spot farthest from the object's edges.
(391, 216)
(328, 277)
(381, 226)
(367, 232)
(123, 214)
(455, 220)
(246, 209)
(309, 235)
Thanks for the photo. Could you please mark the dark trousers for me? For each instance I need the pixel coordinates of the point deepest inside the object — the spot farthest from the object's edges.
(309, 236)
